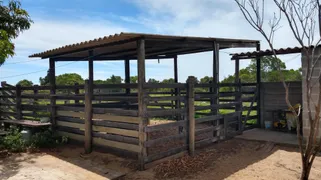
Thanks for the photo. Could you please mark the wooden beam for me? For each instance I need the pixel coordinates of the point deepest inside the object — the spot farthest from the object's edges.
(177, 102)
(127, 74)
(216, 74)
(52, 81)
(88, 117)
(91, 68)
(258, 85)
(142, 108)
(191, 114)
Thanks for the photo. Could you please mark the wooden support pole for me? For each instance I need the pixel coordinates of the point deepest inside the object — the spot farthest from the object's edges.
(91, 68)
(216, 74)
(142, 107)
(52, 81)
(191, 114)
(238, 90)
(127, 74)
(88, 117)
(35, 100)
(177, 102)
(18, 102)
(76, 93)
(258, 85)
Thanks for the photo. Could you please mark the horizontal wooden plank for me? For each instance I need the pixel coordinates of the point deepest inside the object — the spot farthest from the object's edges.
(165, 112)
(115, 98)
(154, 142)
(158, 127)
(7, 104)
(206, 142)
(208, 129)
(70, 87)
(208, 118)
(35, 87)
(35, 107)
(110, 130)
(114, 111)
(107, 86)
(70, 119)
(166, 98)
(121, 125)
(205, 85)
(114, 137)
(164, 85)
(71, 114)
(128, 119)
(167, 153)
(115, 144)
(201, 96)
(7, 96)
(69, 97)
(70, 124)
(72, 136)
(227, 94)
(8, 113)
(154, 163)
(36, 96)
(69, 108)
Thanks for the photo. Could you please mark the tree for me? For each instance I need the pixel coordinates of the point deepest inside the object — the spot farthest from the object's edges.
(69, 79)
(13, 21)
(45, 80)
(114, 80)
(206, 79)
(133, 79)
(301, 17)
(151, 80)
(25, 82)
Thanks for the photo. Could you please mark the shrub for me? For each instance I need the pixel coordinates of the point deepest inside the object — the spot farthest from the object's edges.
(46, 139)
(13, 141)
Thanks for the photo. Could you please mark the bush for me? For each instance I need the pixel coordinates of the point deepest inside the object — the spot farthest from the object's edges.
(13, 141)
(46, 139)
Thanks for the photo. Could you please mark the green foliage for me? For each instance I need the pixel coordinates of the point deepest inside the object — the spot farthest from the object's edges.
(69, 79)
(13, 141)
(25, 82)
(13, 20)
(47, 139)
(133, 79)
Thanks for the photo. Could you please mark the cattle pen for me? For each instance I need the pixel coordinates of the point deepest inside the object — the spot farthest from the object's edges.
(152, 122)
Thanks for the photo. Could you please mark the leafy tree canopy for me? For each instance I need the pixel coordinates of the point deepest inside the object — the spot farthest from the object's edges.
(25, 82)
(13, 20)
(69, 79)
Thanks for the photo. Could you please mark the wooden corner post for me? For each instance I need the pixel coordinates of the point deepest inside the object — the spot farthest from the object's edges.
(258, 85)
(142, 107)
(18, 102)
(52, 81)
(191, 114)
(88, 117)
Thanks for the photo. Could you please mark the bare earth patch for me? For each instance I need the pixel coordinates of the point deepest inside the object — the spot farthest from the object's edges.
(233, 159)
(67, 163)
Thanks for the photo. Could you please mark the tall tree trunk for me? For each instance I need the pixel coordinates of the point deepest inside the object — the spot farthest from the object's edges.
(306, 170)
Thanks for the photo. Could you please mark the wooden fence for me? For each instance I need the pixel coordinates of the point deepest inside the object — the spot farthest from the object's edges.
(177, 118)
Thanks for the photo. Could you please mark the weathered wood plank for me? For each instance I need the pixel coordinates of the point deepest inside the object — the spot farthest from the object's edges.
(128, 119)
(166, 126)
(88, 109)
(207, 129)
(115, 144)
(71, 114)
(154, 142)
(110, 86)
(118, 112)
(110, 130)
(154, 163)
(69, 108)
(72, 125)
(208, 118)
(114, 137)
(165, 112)
(120, 125)
(169, 152)
(164, 85)
(72, 136)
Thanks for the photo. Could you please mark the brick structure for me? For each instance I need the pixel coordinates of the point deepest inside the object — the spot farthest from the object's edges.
(315, 90)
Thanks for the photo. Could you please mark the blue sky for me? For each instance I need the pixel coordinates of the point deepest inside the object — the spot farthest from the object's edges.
(61, 22)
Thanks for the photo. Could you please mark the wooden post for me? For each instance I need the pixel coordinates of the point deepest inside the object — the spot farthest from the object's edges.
(177, 102)
(216, 74)
(91, 69)
(238, 90)
(76, 93)
(191, 114)
(35, 100)
(258, 85)
(88, 117)
(52, 81)
(127, 74)
(18, 102)
(142, 107)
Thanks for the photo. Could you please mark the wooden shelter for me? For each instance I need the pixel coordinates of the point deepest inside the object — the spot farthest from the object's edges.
(121, 123)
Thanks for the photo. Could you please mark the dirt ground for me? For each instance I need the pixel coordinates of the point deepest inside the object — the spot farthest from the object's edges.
(66, 163)
(232, 159)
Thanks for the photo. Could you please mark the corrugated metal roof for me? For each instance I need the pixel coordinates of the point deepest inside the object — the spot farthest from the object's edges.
(268, 52)
(125, 41)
